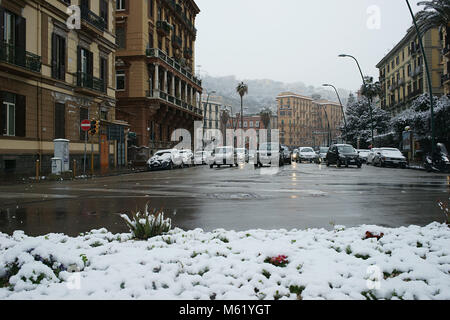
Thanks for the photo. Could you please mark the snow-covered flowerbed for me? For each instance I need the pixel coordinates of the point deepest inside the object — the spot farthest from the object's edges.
(402, 263)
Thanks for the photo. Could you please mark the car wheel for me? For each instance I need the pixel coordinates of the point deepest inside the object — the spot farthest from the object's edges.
(359, 166)
(382, 164)
(328, 163)
(338, 163)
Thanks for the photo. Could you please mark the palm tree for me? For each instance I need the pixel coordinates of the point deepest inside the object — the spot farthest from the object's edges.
(436, 13)
(370, 90)
(242, 89)
(266, 116)
(224, 117)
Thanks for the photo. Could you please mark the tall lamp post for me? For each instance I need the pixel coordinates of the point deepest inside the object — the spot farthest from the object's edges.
(364, 83)
(204, 111)
(342, 108)
(430, 84)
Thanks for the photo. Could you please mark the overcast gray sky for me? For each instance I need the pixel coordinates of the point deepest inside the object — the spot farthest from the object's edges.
(298, 40)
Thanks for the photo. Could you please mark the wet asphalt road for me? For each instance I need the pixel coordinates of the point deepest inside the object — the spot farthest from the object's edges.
(298, 196)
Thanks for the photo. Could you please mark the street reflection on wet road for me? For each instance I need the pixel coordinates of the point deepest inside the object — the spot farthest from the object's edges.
(297, 196)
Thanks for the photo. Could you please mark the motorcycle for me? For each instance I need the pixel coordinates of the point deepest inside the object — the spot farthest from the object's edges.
(439, 162)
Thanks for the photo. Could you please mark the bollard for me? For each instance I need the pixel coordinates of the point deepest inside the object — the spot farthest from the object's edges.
(38, 177)
(74, 168)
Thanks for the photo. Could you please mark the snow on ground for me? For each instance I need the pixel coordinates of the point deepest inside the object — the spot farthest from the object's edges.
(410, 262)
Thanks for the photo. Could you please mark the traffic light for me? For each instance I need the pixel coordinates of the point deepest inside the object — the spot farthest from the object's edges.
(95, 127)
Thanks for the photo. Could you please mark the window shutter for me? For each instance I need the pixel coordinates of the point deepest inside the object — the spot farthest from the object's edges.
(2, 116)
(62, 59)
(90, 63)
(54, 56)
(2, 25)
(20, 121)
(78, 66)
(20, 40)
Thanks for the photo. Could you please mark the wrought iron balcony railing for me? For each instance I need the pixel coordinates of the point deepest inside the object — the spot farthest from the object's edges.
(157, 53)
(19, 57)
(88, 81)
(93, 19)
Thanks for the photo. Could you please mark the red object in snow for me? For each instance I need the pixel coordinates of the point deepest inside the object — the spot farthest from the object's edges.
(370, 235)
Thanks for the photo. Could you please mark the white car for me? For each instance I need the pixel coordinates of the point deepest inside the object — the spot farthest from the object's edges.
(373, 152)
(363, 154)
(165, 159)
(187, 156)
(307, 154)
(223, 156)
(242, 155)
(201, 157)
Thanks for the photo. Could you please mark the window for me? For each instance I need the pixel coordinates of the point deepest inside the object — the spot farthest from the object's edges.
(150, 9)
(104, 115)
(251, 124)
(58, 57)
(85, 68)
(121, 37)
(60, 121)
(12, 114)
(120, 80)
(104, 73)
(120, 5)
(104, 12)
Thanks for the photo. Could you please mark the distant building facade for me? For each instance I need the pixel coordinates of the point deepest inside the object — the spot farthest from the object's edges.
(303, 122)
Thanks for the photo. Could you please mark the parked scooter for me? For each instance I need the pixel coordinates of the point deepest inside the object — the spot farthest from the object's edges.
(439, 162)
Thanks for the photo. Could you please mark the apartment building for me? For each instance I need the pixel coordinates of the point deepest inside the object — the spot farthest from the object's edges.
(52, 78)
(402, 70)
(157, 90)
(328, 121)
(305, 122)
(212, 111)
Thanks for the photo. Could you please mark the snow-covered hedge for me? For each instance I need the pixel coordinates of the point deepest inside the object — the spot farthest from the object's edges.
(366, 262)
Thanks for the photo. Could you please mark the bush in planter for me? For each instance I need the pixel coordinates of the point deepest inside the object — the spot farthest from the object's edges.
(146, 225)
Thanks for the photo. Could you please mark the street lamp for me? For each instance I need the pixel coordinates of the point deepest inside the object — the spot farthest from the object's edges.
(364, 83)
(204, 109)
(430, 84)
(342, 107)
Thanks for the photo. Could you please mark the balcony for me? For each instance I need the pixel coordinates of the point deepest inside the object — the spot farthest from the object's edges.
(417, 71)
(87, 81)
(93, 19)
(19, 57)
(163, 96)
(177, 42)
(163, 27)
(181, 15)
(157, 53)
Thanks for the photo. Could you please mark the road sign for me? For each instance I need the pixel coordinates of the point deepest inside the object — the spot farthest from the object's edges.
(85, 125)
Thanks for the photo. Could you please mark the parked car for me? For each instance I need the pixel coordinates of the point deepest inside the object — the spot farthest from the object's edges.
(201, 157)
(322, 154)
(343, 154)
(371, 155)
(267, 152)
(295, 155)
(287, 155)
(187, 156)
(363, 154)
(389, 157)
(307, 154)
(223, 156)
(242, 155)
(165, 159)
